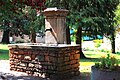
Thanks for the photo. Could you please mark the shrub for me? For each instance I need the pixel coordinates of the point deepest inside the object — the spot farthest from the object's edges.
(97, 45)
(102, 50)
(98, 41)
(107, 62)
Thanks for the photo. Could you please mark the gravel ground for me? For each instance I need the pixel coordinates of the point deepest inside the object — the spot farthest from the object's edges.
(6, 74)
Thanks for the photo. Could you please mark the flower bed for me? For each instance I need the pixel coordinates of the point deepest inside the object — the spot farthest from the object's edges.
(107, 69)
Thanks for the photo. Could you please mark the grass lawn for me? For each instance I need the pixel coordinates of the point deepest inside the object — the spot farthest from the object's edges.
(4, 52)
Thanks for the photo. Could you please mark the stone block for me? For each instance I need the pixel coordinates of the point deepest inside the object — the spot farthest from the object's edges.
(27, 57)
(21, 57)
(72, 62)
(77, 56)
(52, 59)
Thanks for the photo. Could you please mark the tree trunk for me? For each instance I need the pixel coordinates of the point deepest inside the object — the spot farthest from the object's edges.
(78, 41)
(33, 36)
(113, 43)
(68, 35)
(5, 38)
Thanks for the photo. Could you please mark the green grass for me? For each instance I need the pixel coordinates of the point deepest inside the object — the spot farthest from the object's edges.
(4, 52)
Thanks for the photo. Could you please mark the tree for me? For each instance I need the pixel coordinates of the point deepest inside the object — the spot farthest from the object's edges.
(34, 22)
(6, 14)
(15, 9)
(109, 16)
(97, 17)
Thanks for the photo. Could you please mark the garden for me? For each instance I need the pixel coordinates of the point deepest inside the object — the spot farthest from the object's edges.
(78, 40)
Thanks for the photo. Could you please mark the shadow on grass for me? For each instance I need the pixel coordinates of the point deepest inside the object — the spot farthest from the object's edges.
(118, 53)
(89, 60)
(4, 51)
(4, 54)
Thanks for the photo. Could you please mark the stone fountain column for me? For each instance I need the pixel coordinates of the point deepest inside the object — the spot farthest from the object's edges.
(55, 25)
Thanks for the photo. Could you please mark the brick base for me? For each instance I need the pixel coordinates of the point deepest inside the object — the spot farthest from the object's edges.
(55, 62)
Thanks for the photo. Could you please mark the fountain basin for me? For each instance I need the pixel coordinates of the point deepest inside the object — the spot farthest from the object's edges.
(55, 61)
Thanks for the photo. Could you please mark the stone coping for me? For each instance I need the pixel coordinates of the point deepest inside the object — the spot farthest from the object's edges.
(42, 45)
(55, 9)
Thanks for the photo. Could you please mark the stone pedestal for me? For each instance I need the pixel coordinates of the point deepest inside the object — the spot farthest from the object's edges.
(55, 25)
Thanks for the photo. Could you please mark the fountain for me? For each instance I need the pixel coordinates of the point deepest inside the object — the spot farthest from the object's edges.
(54, 59)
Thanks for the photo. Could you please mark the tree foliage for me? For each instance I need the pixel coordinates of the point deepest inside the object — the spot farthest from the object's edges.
(8, 11)
(117, 16)
(93, 15)
(13, 12)
(96, 17)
